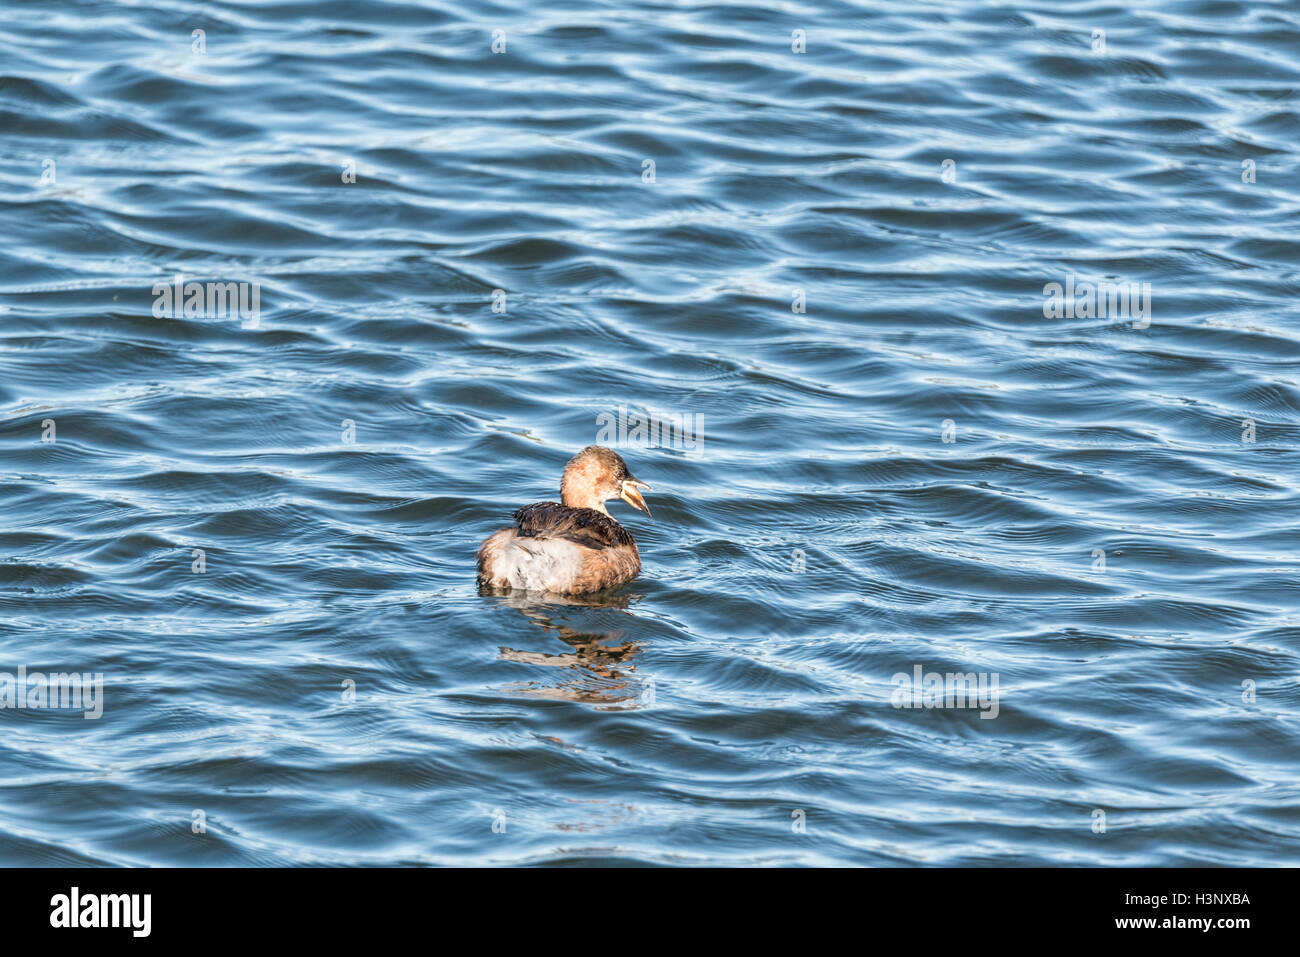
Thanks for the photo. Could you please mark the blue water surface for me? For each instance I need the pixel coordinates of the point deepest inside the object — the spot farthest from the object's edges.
(817, 241)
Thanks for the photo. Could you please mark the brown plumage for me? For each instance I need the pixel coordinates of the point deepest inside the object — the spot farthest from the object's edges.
(573, 546)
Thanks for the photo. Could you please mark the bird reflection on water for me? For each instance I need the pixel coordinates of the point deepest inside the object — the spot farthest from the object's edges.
(600, 669)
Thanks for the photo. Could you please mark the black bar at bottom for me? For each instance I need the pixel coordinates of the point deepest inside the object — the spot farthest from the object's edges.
(334, 906)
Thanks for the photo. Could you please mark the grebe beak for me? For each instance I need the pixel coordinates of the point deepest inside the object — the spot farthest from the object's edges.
(628, 491)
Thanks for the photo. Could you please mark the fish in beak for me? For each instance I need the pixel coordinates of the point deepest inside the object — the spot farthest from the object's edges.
(629, 491)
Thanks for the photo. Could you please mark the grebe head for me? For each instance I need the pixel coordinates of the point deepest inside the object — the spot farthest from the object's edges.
(597, 474)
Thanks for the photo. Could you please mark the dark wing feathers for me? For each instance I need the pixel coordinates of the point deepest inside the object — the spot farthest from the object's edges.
(583, 526)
